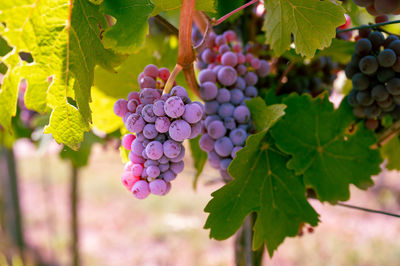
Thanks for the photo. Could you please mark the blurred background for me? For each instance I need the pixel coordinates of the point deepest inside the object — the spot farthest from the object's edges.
(117, 229)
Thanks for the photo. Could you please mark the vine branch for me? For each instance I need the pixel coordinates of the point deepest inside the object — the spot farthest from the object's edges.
(387, 135)
(166, 25)
(377, 25)
(223, 18)
(367, 210)
(284, 74)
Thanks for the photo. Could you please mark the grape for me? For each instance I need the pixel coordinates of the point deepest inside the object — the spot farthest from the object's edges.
(180, 92)
(171, 148)
(121, 107)
(352, 99)
(395, 46)
(264, 69)
(372, 111)
(393, 86)
(211, 118)
(168, 176)
(255, 63)
(176, 168)
(148, 114)
(229, 59)
(164, 167)
(385, 74)
(226, 76)
(359, 112)
(223, 95)
(225, 110)
(208, 56)
(216, 129)
(135, 123)
(211, 107)
(241, 70)
(147, 82)
(377, 39)
(385, 103)
(141, 189)
(162, 124)
(363, 46)
(387, 58)
(251, 78)
(127, 141)
(137, 169)
(154, 150)
(236, 96)
(251, 91)
(158, 108)
(207, 75)
(195, 130)
(193, 113)
(238, 136)
(220, 40)
(363, 3)
(128, 179)
(223, 146)
(214, 159)
(368, 64)
(149, 95)
(360, 81)
(206, 143)
(150, 131)
(153, 171)
(224, 48)
(364, 33)
(350, 71)
(174, 107)
(372, 124)
(164, 74)
(241, 114)
(364, 98)
(179, 130)
(379, 93)
(208, 91)
(180, 156)
(391, 38)
(396, 66)
(151, 71)
(158, 187)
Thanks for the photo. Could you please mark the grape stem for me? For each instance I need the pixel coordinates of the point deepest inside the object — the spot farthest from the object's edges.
(223, 18)
(377, 25)
(387, 135)
(201, 21)
(172, 77)
(287, 70)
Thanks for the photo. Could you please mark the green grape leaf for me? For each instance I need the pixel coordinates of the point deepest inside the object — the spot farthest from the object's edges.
(312, 23)
(167, 5)
(67, 126)
(131, 27)
(226, 6)
(391, 152)
(80, 158)
(328, 155)
(199, 158)
(66, 45)
(340, 51)
(261, 184)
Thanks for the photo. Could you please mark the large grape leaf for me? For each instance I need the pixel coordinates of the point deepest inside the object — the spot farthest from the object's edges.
(131, 27)
(391, 152)
(328, 155)
(261, 184)
(312, 23)
(167, 5)
(65, 43)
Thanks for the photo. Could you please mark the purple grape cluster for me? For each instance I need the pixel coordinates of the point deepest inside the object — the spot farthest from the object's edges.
(227, 79)
(160, 123)
(375, 74)
(379, 7)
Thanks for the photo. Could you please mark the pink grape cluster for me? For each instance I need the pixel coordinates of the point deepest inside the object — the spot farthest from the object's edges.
(227, 79)
(160, 123)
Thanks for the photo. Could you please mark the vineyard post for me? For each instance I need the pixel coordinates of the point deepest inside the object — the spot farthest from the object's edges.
(74, 215)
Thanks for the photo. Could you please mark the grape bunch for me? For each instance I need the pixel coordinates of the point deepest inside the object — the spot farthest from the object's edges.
(380, 7)
(312, 77)
(375, 74)
(160, 123)
(227, 79)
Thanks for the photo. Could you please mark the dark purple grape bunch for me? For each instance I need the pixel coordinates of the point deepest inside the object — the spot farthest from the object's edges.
(227, 79)
(159, 123)
(380, 7)
(375, 74)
